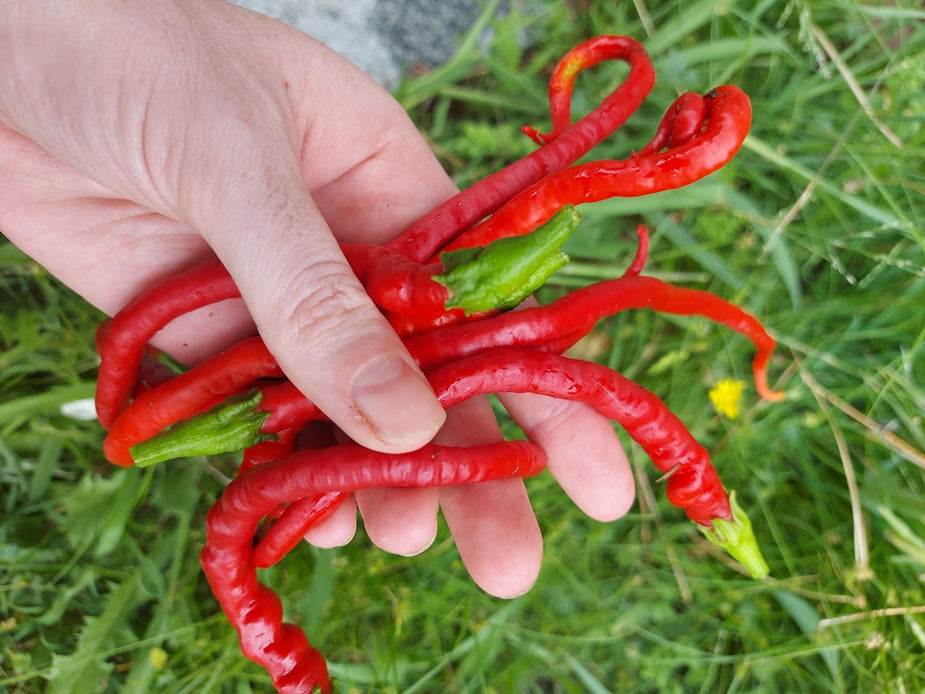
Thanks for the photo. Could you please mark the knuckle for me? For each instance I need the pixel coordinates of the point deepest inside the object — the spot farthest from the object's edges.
(322, 302)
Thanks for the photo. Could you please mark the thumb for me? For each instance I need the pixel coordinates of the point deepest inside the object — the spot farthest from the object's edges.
(319, 323)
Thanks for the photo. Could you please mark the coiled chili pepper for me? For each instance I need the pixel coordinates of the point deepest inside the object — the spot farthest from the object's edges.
(727, 117)
(435, 229)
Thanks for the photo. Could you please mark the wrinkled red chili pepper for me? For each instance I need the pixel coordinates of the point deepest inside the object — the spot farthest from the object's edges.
(254, 609)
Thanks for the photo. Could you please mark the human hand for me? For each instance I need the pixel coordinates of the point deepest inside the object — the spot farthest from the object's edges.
(158, 135)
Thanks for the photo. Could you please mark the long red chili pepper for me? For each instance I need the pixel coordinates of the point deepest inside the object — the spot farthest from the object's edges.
(562, 322)
(121, 341)
(431, 232)
(728, 117)
(296, 520)
(254, 609)
(187, 394)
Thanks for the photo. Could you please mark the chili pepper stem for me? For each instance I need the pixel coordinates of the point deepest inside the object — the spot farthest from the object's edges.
(736, 537)
(226, 427)
(507, 271)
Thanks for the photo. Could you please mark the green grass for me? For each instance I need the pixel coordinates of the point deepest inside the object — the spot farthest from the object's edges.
(816, 227)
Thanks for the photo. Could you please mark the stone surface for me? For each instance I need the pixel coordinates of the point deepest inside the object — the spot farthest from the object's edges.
(383, 37)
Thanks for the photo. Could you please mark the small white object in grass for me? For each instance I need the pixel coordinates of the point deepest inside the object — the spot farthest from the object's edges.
(81, 410)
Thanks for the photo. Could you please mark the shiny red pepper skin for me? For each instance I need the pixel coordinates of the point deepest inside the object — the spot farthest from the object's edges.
(692, 481)
(254, 609)
(434, 230)
(187, 394)
(681, 123)
(396, 283)
(558, 325)
(121, 341)
(728, 118)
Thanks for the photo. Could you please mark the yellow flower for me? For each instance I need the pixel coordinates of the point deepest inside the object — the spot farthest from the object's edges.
(726, 395)
(157, 657)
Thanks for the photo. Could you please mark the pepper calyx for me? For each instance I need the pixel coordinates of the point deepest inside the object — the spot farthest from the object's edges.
(233, 425)
(505, 272)
(736, 537)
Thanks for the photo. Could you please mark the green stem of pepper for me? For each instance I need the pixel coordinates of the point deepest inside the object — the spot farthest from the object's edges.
(227, 427)
(737, 539)
(505, 272)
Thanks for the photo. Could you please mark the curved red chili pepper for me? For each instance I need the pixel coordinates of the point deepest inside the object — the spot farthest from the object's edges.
(185, 395)
(254, 609)
(580, 58)
(298, 518)
(121, 341)
(397, 283)
(564, 321)
(645, 417)
(683, 119)
(728, 116)
(435, 229)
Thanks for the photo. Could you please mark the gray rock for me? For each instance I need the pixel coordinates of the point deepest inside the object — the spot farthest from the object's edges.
(383, 37)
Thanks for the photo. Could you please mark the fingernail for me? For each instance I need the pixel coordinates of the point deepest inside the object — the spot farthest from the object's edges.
(397, 402)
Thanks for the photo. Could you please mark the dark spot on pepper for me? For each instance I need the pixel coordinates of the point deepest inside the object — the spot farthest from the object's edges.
(712, 94)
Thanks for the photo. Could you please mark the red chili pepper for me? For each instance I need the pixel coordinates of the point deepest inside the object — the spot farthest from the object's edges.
(683, 119)
(477, 281)
(561, 323)
(121, 341)
(728, 117)
(185, 395)
(435, 229)
(562, 81)
(299, 517)
(254, 609)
